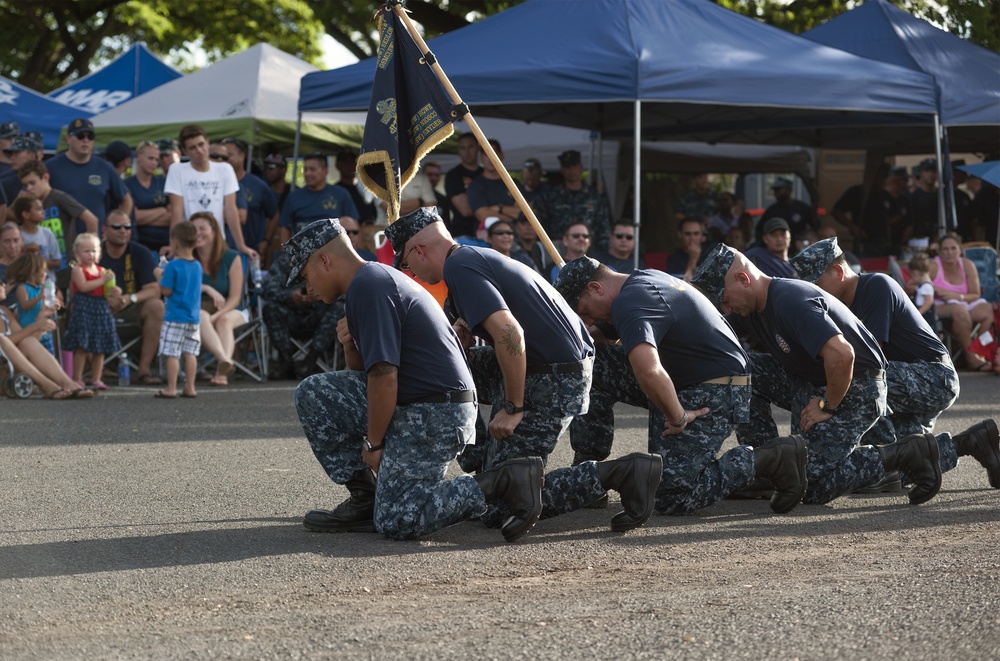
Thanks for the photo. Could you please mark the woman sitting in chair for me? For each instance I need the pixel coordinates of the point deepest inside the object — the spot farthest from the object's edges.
(221, 295)
(957, 296)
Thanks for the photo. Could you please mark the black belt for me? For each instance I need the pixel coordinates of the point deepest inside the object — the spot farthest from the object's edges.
(450, 397)
(557, 368)
(943, 358)
(875, 374)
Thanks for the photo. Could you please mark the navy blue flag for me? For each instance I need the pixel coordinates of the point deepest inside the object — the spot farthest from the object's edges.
(409, 114)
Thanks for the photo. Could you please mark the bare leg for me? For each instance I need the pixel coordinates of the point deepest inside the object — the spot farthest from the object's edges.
(79, 361)
(23, 364)
(45, 363)
(152, 319)
(97, 367)
(173, 368)
(225, 326)
(210, 341)
(190, 366)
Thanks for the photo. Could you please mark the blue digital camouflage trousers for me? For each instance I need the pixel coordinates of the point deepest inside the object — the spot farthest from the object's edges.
(917, 393)
(551, 401)
(693, 475)
(837, 464)
(318, 320)
(412, 498)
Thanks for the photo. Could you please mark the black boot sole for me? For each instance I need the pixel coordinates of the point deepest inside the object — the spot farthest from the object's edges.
(515, 527)
(917, 494)
(891, 483)
(314, 524)
(652, 467)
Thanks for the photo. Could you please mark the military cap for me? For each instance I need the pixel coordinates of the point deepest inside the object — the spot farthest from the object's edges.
(569, 157)
(927, 164)
(168, 146)
(407, 227)
(117, 151)
(306, 241)
(710, 277)
(532, 164)
(898, 171)
(9, 130)
(573, 278)
(781, 182)
(813, 260)
(80, 125)
(22, 143)
(34, 135)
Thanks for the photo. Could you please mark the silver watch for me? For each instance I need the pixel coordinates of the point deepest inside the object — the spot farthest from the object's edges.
(133, 298)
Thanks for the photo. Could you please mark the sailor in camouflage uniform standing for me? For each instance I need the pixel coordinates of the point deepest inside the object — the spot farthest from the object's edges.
(536, 375)
(573, 201)
(680, 359)
(920, 378)
(824, 367)
(402, 411)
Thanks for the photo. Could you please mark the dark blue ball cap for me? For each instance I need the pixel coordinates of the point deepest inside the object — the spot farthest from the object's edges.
(306, 241)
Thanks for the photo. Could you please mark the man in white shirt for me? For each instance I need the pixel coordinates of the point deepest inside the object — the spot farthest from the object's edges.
(204, 185)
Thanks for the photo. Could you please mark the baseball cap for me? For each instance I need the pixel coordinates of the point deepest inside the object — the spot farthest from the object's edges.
(306, 241)
(80, 125)
(811, 263)
(274, 159)
(898, 171)
(927, 164)
(532, 164)
(776, 224)
(117, 151)
(710, 277)
(407, 227)
(781, 182)
(9, 130)
(22, 143)
(569, 157)
(168, 146)
(573, 278)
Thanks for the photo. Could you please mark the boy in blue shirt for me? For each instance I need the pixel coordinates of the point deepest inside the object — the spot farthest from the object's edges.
(180, 284)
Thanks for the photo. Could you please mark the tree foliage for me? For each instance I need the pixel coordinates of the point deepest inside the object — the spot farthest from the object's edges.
(77, 37)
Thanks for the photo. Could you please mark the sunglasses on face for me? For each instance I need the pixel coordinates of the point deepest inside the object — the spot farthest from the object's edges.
(271, 166)
(85, 136)
(579, 236)
(627, 237)
(502, 233)
(120, 227)
(353, 232)
(218, 157)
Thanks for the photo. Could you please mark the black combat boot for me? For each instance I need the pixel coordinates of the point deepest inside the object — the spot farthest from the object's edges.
(891, 483)
(516, 483)
(356, 514)
(981, 441)
(635, 477)
(917, 456)
(782, 462)
(602, 502)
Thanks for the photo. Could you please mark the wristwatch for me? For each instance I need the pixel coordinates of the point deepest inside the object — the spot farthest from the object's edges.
(133, 298)
(824, 406)
(509, 407)
(373, 448)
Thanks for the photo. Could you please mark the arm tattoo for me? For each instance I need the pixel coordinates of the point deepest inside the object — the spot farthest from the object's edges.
(511, 338)
(381, 369)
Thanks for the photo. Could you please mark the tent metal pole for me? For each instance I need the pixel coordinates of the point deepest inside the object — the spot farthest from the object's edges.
(948, 183)
(942, 225)
(636, 179)
(295, 150)
(249, 163)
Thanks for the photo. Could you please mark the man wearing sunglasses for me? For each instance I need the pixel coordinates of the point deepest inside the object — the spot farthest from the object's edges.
(619, 257)
(139, 302)
(93, 182)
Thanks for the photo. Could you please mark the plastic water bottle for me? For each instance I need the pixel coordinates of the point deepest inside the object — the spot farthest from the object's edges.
(255, 271)
(50, 294)
(163, 261)
(124, 377)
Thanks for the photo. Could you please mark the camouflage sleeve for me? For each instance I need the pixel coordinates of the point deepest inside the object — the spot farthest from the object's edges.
(274, 282)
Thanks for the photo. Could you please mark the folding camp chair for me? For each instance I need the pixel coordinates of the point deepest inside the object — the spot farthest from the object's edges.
(252, 349)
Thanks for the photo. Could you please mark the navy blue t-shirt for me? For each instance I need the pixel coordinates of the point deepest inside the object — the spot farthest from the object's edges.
(889, 315)
(149, 198)
(94, 184)
(799, 318)
(693, 339)
(10, 186)
(481, 281)
(261, 205)
(485, 192)
(305, 205)
(770, 263)
(395, 320)
(133, 270)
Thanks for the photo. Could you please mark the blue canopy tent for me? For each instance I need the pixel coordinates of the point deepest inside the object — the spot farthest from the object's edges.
(35, 112)
(134, 72)
(679, 70)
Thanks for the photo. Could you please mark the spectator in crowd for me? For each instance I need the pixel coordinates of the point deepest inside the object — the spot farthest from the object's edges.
(963, 201)
(30, 215)
(262, 208)
(275, 169)
(729, 215)
(151, 212)
(63, 213)
(887, 213)
(21, 150)
(772, 256)
(170, 153)
(958, 297)
(222, 295)
(8, 131)
(682, 263)
(923, 295)
(217, 153)
(319, 199)
(527, 240)
(620, 255)
(353, 230)
(92, 182)
(828, 231)
(119, 155)
(11, 245)
(500, 236)
(532, 180)
(799, 216)
(205, 186)
(736, 238)
(576, 243)
(986, 212)
(139, 301)
(848, 210)
(180, 283)
(417, 193)
(90, 330)
(432, 170)
(488, 194)
(923, 202)
(456, 186)
(347, 165)
(26, 278)
(699, 201)
(573, 202)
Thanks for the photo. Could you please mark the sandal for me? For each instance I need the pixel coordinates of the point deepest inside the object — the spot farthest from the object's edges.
(81, 393)
(62, 393)
(226, 368)
(219, 380)
(162, 395)
(148, 379)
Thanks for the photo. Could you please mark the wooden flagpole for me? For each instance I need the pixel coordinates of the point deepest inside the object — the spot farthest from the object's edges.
(483, 142)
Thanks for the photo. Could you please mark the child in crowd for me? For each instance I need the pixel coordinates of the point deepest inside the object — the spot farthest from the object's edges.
(30, 214)
(27, 277)
(924, 296)
(180, 285)
(91, 327)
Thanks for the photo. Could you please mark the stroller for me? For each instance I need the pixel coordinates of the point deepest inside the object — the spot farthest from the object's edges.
(15, 384)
